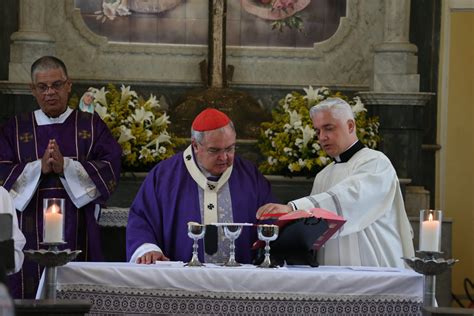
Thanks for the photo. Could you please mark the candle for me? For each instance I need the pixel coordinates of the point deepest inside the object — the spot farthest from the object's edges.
(430, 233)
(53, 224)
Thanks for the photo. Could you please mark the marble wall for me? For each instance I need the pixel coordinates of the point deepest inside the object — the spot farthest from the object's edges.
(345, 59)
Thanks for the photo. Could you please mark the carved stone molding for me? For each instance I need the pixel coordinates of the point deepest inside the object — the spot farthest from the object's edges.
(338, 61)
(395, 98)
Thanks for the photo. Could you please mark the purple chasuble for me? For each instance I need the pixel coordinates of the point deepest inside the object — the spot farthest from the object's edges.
(168, 199)
(82, 137)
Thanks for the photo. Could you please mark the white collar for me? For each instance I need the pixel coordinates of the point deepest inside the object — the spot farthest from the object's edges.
(43, 119)
(338, 158)
(210, 187)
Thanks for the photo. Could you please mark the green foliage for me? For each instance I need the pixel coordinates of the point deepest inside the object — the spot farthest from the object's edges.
(289, 141)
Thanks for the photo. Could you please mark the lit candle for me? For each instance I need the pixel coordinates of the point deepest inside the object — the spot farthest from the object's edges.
(430, 233)
(53, 224)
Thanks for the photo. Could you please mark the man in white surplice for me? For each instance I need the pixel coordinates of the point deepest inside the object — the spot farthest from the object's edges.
(362, 186)
(7, 207)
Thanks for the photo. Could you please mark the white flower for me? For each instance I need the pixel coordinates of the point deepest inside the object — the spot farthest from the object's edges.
(316, 94)
(125, 135)
(316, 146)
(271, 160)
(162, 150)
(148, 134)
(162, 120)
(163, 137)
(311, 94)
(359, 106)
(308, 134)
(144, 153)
(301, 162)
(102, 111)
(126, 93)
(295, 119)
(299, 142)
(152, 101)
(288, 98)
(99, 96)
(141, 115)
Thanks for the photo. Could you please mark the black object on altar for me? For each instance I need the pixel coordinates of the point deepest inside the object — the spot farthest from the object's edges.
(295, 243)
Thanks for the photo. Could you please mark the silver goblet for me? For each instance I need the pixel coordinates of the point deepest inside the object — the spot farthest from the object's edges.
(232, 232)
(267, 233)
(195, 231)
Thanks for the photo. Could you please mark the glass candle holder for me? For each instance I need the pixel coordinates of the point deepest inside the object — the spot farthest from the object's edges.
(53, 220)
(430, 230)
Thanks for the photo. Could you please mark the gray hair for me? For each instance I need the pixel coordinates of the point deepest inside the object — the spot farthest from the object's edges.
(199, 136)
(47, 63)
(338, 107)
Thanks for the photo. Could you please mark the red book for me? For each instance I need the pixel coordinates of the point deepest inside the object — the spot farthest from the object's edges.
(305, 229)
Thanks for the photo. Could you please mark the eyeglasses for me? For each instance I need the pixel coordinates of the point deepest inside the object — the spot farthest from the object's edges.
(217, 151)
(56, 86)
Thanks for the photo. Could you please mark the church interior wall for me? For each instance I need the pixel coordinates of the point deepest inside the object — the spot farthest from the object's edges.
(456, 172)
(343, 62)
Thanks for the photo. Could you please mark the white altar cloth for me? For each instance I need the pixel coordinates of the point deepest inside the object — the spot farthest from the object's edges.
(168, 287)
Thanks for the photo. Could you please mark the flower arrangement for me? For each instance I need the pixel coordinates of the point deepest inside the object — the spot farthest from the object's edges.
(283, 13)
(138, 125)
(289, 142)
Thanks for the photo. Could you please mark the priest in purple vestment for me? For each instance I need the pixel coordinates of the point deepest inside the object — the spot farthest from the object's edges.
(57, 152)
(207, 183)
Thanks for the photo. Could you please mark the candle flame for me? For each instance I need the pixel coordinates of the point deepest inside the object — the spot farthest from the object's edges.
(430, 217)
(55, 209)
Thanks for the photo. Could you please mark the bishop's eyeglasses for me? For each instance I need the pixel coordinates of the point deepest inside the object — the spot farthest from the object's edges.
(217, 151)
(56, 86)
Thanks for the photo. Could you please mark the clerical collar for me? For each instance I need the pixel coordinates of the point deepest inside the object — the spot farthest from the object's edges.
(43, 119)
(345, 156)
(210, 188)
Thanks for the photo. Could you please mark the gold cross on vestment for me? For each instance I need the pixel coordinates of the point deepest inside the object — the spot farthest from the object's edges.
(111, 185)
(26, 137)
(84, 134)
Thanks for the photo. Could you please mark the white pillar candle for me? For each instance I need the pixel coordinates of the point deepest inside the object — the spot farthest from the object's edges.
(430, 233)
(53, 224)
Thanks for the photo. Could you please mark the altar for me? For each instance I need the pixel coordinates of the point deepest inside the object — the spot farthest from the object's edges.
(170, 288)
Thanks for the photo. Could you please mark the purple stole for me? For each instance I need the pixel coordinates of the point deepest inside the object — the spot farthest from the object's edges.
(75, 138)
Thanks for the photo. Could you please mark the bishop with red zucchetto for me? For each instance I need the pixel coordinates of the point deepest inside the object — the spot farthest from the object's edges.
(206, 183)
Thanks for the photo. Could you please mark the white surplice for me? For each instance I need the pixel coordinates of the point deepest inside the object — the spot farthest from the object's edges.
(19, 241)
(364, 190)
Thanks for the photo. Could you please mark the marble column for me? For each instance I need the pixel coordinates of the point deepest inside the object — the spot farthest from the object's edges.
(395, 60)
(395, 95)
(30, 41)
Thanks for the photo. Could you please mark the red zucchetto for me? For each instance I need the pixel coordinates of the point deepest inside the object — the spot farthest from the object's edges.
(210, 119)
